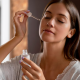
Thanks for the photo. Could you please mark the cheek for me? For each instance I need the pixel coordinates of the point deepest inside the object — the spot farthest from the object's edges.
(63, 31)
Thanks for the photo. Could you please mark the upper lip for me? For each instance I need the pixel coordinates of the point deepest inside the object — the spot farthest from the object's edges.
(48, 30)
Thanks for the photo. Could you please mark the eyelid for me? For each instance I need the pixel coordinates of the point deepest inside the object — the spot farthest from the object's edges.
(46, 16)
(61, 19)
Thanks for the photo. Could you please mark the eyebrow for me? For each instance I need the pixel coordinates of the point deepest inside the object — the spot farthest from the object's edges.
(62, 15)
(58, 14)
(47, 11)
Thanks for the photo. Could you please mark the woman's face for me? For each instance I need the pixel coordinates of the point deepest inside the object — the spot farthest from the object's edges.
(55, 23)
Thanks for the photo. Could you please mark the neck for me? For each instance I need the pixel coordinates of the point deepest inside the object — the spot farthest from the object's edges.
(53, 55)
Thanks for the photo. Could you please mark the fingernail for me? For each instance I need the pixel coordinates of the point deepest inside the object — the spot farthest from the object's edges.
(22, 57)
(23, 74)
(20, 61)
(20, 15)
(28, 10)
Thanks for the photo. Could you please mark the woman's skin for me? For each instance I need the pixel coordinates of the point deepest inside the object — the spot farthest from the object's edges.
(20, 32)
(57, 20)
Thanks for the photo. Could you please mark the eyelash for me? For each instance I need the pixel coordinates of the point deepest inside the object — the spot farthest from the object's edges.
(58, 20)
(47, 17)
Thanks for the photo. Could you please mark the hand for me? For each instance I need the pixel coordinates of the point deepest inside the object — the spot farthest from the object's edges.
(20, 26)
(33, 73)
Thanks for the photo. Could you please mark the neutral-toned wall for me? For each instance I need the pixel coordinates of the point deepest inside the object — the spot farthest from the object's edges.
(36, 7)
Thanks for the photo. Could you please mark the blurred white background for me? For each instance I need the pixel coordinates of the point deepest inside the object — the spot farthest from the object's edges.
(5, 23)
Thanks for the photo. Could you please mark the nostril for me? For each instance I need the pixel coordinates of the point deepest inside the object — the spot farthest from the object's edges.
(49, 25)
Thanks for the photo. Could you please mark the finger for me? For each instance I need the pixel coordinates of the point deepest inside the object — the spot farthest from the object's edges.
(23, 77)
(16, 19)
(32, 64)
(22, 12)
(25, 19)
(19, 13)
(30, 76)
(29, 69)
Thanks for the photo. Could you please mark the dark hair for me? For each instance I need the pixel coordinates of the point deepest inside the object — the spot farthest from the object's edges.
(71, 43)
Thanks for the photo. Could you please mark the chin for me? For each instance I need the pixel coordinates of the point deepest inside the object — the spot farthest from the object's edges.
(46, 39)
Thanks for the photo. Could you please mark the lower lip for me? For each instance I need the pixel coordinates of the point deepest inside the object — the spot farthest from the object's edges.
(48, 32)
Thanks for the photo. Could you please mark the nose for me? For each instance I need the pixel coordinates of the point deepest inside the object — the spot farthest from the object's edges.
(50, 23)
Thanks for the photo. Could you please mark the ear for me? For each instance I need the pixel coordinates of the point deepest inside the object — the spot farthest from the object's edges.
(71, 33)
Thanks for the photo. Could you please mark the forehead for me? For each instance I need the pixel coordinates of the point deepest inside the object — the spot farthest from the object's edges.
(58, 8)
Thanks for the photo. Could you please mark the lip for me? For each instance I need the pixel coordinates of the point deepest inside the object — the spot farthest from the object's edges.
(48, 30)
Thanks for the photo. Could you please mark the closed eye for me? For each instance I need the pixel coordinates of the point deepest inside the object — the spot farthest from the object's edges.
(47, 17)
(61, 21)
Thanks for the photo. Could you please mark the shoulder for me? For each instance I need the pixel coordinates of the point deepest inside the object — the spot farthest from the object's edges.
(74, 72)
(9, 69)
(77, 66)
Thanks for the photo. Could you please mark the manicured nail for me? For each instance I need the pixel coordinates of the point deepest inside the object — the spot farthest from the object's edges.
(25, 12)
(20, 61)
(23, 74)
(28, 10)
(22, 57)
(19, 15)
